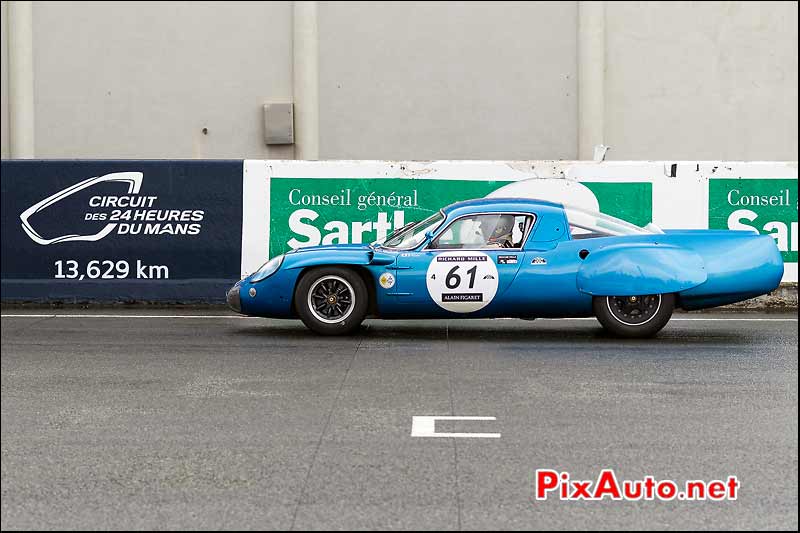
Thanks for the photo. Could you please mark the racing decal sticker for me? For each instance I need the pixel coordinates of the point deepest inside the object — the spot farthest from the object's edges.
(506, 259)
(461, 282)
(539, 261)
(386, 280)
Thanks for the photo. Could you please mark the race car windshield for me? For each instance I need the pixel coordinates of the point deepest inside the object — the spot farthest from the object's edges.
(600, 224)
(413, 234)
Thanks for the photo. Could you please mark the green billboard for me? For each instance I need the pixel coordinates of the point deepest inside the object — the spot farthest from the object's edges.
(768, 206)
(312, 211)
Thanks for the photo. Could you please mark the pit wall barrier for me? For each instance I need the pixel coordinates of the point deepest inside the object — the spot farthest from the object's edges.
(183, 231)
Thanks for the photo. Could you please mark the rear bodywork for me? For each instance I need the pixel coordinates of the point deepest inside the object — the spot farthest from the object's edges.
(551, 275)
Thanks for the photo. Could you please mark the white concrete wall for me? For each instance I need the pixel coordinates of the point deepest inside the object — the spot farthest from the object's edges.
(413, 80)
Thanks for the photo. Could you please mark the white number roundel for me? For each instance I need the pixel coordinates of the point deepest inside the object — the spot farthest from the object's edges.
(462, 282)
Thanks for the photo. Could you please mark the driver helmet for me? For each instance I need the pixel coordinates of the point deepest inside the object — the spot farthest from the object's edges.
(502, 230)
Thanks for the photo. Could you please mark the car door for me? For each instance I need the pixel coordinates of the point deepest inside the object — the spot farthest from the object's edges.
(465, 268)
(545, 285)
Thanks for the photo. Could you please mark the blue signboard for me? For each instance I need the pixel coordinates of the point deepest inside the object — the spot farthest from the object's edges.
(120, 230)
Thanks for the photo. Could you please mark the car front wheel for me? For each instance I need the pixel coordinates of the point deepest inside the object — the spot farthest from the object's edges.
(331, 300)
(634, 316)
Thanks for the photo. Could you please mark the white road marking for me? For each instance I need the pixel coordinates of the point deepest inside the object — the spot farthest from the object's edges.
(425, 426)
(25, 315)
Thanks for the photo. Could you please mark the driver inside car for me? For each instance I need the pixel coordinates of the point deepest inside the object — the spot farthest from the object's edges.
(501, 235)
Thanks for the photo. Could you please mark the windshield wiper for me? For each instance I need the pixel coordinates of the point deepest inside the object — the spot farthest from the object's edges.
(397, 232)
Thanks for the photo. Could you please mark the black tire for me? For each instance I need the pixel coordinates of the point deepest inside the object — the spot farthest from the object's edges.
(331, 300)
(634, 316)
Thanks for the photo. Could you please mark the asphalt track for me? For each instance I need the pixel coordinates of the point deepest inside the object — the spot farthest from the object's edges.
(147, 421)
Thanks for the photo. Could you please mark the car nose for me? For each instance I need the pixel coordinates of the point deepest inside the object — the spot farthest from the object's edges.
(233, 298)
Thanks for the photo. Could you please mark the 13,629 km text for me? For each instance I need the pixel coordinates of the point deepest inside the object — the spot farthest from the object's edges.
(106, 269)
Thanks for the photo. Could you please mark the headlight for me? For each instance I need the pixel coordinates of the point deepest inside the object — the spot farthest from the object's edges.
(267, 269)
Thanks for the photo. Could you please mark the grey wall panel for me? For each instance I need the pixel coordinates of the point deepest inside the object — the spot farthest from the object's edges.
(413, 80)
(701, 80)
(143, 79)
(433, 80)
(4, 131)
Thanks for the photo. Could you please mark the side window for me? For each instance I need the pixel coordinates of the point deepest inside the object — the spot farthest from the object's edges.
(578, 232)
(485, 232)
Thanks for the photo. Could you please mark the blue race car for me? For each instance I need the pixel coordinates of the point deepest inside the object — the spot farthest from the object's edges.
(504, 257)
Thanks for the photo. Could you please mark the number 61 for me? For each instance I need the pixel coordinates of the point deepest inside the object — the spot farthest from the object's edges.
(453, 280)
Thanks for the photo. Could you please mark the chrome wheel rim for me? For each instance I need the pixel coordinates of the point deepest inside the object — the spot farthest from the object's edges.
(634, 310)
(331, 299)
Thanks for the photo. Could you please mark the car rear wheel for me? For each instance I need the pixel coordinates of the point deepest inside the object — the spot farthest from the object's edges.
(331, 300)
(634, 316)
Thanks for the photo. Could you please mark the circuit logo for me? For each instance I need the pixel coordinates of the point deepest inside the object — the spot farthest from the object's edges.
(127, 214)
(133, 179)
